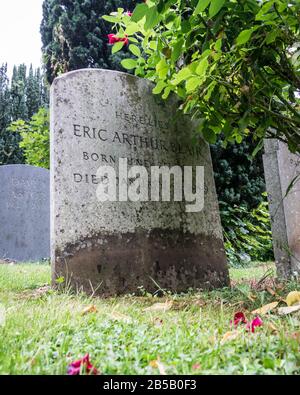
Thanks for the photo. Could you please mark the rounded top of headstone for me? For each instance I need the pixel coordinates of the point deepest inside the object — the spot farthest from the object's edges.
(93, 71)
(93, 76)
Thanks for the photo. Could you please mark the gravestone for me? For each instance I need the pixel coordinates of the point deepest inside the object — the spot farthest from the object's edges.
(282, 175)
(114, 247)
(24, 213)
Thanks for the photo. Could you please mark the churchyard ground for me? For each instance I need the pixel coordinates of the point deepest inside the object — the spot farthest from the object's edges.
(43, 331)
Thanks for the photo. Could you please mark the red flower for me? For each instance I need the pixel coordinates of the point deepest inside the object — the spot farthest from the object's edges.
(128, 13)
(112, 39)
(75, 367)
(253, 324)
(239, 318)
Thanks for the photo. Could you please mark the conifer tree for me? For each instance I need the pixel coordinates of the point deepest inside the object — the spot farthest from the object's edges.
(19, 99)
(74, 35)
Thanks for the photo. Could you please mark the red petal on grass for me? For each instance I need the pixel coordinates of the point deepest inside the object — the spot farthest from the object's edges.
(75, 367)
(257, 321)
(239, 318)
(196, 366)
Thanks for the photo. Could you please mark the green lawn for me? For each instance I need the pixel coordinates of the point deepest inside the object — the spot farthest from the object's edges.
(44, 331)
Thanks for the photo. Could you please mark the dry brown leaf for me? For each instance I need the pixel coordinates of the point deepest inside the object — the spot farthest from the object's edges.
(293, 298)
(271, 291)
(251, 297)
(280, 286)
(89, 309)
(228, 336)
(288, 310)
(158, 365)
(271, 328)
(265, 309)
(36, 293)
(160, 306)
(295, 336)
(115, 315)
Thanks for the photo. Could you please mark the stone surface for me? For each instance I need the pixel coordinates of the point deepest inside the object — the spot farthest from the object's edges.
(24, 213)
(282, 174)
(97, 117)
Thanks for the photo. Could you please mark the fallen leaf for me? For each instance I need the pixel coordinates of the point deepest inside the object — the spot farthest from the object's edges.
(295, 336)
(293, 298)
(288, 309)
(280, 286)
(89, 309)
(160, 306)
(158, 365)
(271, 328)
(251, 297)
(200, 303)
(36, 293)
(115, 315)
(265, 309)
(228, 336)
(271, 291)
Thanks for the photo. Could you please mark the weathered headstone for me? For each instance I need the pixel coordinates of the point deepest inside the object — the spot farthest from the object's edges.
(98, 117)
(24, 213)
(282, 174)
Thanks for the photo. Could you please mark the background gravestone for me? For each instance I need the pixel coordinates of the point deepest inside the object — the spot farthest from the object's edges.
(282, 174)
(24, 213)
(97, 117)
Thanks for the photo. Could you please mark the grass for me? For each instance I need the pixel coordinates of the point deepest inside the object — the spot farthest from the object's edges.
(44, 330)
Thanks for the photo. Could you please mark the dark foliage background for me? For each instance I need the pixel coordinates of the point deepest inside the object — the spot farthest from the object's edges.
(74, 35)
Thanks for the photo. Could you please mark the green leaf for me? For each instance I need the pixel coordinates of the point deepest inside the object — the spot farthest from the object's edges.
(202, 67)
(185, 26)
(133, 40)
(129, 63)
(202, 4)
(258, 147)
(110, 18)
(139, 12)
(159, 87)
(166, 92)
(238, 138)
(215, 7)
(261, 15)
(193, 83)
(162, 68)
(135, 50)
(272, 35)
(117, 46)
(152, 18)
(132, 28)
(245, 36)
(209, 135)
(181, 75)
(177, 49)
